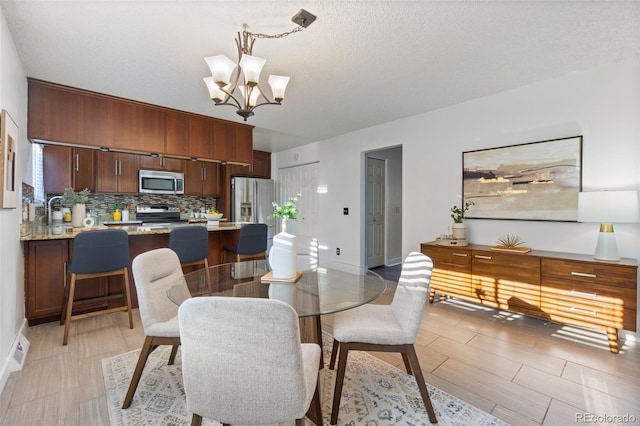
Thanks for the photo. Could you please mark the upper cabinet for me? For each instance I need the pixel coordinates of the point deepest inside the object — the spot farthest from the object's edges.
(69, 116)
(65, 167)
(260, 166)
(161, 163)
(116, 173)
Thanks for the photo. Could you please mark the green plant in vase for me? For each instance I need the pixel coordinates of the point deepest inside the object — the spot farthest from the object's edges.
(117, 210)
(286, 211)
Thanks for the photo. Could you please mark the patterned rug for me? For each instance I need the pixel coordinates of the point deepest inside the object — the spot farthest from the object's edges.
(374, 394)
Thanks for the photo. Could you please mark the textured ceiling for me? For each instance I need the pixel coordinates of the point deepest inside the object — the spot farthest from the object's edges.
(361, 63)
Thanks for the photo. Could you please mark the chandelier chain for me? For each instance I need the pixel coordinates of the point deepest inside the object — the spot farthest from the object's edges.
(281, 35)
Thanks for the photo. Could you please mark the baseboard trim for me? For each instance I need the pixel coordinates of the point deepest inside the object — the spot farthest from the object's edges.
(16, 357)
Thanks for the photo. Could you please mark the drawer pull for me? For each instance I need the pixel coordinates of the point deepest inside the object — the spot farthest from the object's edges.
(582, 274)
(582, 293)
(459, 254)
(483, 257)
(584, 311)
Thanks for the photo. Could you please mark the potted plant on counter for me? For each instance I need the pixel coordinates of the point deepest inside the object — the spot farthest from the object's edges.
(78, 203)
(117, 211)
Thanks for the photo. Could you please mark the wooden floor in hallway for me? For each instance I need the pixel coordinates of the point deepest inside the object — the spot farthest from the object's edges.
(522, 370)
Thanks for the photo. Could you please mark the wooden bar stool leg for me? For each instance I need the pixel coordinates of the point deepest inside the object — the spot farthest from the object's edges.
(67, 322)
(128, 296)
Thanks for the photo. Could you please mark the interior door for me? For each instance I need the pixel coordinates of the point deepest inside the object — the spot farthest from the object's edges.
(301, 180)
(375, 218)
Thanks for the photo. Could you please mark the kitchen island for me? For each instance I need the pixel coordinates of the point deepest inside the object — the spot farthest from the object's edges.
(46, 253)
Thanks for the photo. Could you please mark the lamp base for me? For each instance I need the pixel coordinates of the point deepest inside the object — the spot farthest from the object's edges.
(606, 248)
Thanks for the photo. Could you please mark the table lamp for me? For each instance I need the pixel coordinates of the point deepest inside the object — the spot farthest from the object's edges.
(608, 207)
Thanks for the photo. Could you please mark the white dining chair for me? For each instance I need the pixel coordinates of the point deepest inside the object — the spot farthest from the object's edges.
(386, 328)
(243, 363)
(154, 272)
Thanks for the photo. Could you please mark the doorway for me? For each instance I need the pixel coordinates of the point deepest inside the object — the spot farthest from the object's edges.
(383, 208)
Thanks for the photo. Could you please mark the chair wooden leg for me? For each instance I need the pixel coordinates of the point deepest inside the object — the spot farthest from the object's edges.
(196, 419)
(334, 353)
(67, 321)
(147, 348)
(172, 357)
(65, 299)
(417, 373)
(407, 364)
(315, 410)
(128, 296)
(337, 393)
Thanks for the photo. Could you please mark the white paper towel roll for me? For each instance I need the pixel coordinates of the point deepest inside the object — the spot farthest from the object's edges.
(32, 212)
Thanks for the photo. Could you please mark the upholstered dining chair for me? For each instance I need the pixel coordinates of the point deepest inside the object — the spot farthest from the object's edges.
(154, 272)
(386, 328)
(243, 363)
(100, 253)
(252, 243)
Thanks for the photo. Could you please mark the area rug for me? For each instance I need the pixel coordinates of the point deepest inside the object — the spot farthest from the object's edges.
(375, 393)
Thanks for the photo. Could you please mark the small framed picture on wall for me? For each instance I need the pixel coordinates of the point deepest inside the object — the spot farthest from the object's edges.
(9, 152)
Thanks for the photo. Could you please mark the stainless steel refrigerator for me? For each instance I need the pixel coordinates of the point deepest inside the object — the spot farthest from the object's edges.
(251, 200)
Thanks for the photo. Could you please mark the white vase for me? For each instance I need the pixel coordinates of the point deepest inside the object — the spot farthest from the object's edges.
(125, 215)
(78, 214)
(282, 256)
(459, 230)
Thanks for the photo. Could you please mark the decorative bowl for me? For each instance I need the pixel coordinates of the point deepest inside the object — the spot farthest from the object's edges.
(213, 217)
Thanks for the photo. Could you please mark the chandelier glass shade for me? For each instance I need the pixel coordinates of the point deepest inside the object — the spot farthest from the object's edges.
(238, 84)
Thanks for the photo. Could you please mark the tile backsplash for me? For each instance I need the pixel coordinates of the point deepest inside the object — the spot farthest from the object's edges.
(101, 204)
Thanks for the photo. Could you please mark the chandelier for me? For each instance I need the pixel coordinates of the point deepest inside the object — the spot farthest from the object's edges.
(243, 90)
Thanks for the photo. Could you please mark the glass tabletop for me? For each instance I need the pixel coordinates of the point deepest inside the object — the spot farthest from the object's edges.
(318, 292)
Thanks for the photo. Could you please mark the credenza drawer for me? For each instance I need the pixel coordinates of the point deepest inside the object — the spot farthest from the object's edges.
(590, 272)
(588, 303)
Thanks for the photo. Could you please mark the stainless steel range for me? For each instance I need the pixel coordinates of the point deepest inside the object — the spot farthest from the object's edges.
(158, 213)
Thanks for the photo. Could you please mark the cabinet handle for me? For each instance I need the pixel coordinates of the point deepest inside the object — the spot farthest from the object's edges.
(119, 167)
(483, 257)
(77, 162)
(459, 254)
(584, 311)
(116, 164)
(583, 294)
(204, 174)
(582, 274)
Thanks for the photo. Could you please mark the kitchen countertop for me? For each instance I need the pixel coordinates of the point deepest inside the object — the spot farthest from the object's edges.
(46, 233)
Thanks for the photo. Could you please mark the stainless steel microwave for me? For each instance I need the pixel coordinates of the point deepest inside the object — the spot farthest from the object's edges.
(159, 182)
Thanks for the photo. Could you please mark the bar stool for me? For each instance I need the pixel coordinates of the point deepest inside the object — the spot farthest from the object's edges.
(191, 244)
(102, 253)
(252, 243)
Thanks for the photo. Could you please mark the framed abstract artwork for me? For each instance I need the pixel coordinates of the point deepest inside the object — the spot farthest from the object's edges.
(8, 150)
(531, 181)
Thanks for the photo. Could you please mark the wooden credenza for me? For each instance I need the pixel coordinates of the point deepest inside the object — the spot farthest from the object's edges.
(562, 287)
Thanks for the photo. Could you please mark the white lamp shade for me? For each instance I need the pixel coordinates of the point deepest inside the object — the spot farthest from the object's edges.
(278, 85)
(253, 95)
(221, 68)
(214, 91)
(251, 67)
(608, 207)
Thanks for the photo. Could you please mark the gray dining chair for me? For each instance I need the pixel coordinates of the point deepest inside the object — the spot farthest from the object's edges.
(154, 272)
(243, 363)
(386, 328)
(100, 253)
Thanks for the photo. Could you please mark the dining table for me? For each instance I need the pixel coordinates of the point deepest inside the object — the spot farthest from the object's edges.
(313, 293)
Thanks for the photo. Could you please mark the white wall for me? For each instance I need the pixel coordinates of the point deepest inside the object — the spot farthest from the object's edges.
(13, 98)
(602, 104)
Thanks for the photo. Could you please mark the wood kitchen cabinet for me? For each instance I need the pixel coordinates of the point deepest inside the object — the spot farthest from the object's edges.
(70, 116)
(260, 166)
(116, 173)
(161, 163)
(202, 178)
(65, 167)
(563, 287)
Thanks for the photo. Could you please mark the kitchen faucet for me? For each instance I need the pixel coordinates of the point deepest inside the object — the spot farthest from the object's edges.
(49, 216)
